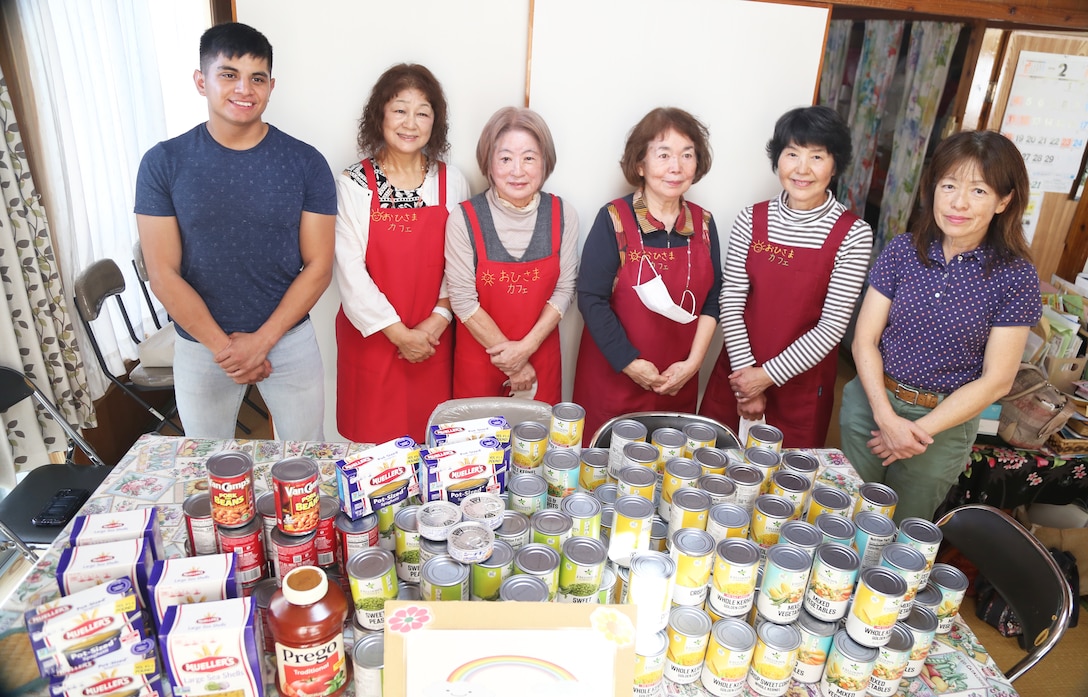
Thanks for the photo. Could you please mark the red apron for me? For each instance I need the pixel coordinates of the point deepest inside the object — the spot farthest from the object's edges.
(514, 295)
(379, 395)
(802, 407)
(603, 392)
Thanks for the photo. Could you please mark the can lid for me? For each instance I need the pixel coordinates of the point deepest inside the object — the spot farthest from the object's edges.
(799, 461)
(637, 476)
(744, 474)
(470, 542)
(717, 484)
(883, 581)
(405, 519)
(901, 638)
(929, 596)
(568, 411)
(729, 515)
(369, 652)
(229, 464)
(800, 534)
(514, 523)
(902, 556)
(853, 650)
(408, 591)
(305, 585)
(774, 506)
(294, 469)
(561, 459)
(443, 571)
(874, 523)
(791, 481)
(606, 493)
(551, 522)
(683, 468)
(815, 626)
(580, 505)
(262, 592)
(709, 457)
(655, 644)
(700, 431)
(629, 429)
(198, 505)
(527, 589)
(921, 530)
(659, 529)
(690, 499)
(781, 637)
(530, 431)
(734, 634)
(736, 550)
(830, 497)
(669, 437)
(762, 457)
(595, 457)
(641, 451)
(946, 576)
(635, 507)
(835, 526)
(879, 494)
(790, 558)
(689, 621)
(921, 619)
(839, 556)
(692, 542)
(370, 563)
(502, 554)
(484, 508)
(585, 551)
(653, 563)
(330, 506)
(536, 558)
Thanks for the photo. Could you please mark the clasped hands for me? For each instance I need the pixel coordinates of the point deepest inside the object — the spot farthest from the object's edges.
(512, 358)
(244, 359)
(666, 382)
(417, 344)
(900, 439)
(749, 386)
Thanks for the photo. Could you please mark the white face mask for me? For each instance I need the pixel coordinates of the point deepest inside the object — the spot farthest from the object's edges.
(655, 296)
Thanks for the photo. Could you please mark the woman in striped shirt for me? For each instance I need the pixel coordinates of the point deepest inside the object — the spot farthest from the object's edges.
(793, 272)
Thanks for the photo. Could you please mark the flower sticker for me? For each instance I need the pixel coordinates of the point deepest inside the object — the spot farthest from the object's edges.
(613, 626)
(408, 618)
(1078, 471)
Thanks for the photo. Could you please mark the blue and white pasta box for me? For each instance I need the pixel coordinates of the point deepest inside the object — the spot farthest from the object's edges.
(96, 528)
(191, 580)
(115, 686)
(215, 642)
(89, 565)
(376, 471)
(472, 429)
(134, 672)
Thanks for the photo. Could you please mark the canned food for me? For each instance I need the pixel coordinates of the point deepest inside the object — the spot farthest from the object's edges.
(266, 509)
(636, 480)
(929, 596)
(528, 442)
(671, 442)
(262, 596)
(606, 524)
(632, 521)
(470, 542)
(831, 585)
(373, 581)
(444, 578)
(325, 538)
(524, 589)
(767, 519)
(551, 528)
(922, 624)
(773, 659)
(659, 535)
(766, 461)
(298, 498)
(710, 459)
(798, 533)
(624, 431)
(953, 585)
(368, 657)
(568, 421)
(748, 481)
(585, 514)
(727, 520)
(429, 549)
(355, 535)
(908, 563)
(435, 519)
(698, 436)
(792, 487)
(836, 528)
(804, 464)
(580, 570)
(734, 582)
(649, 588)
(816, 637)
(560, 468)
(230, 485)
(849, 666)
(891, 662)
(535, 559)
(874, 532)
(606, 494)
(606, 593)
(923, 536)
(200, 525)
(728, 657)
(483, 508)
(783, 588)
(876, 497)
(875, 609)
(693, 552)
(828, 499)
(247, 545)
(650, 652)
(689, 510)
(593, 471)
(292, 552)
(764, 436)
(719, 487)
(679, 473)
(644, 454)
(689, 632)
(515, 530)
(407, 548)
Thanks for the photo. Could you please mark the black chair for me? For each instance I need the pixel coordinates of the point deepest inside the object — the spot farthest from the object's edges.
(654, 420)
(39, 485)
(1020, 569)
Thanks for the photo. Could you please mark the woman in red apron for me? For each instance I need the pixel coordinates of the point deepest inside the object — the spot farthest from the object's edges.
(793, 272)
(648, 286)
(394, 345)
(511, 262)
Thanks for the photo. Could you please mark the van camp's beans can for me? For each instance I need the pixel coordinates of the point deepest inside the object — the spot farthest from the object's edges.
(891, 662)
(765, 460)
(247, 545)
(828, 499)
(849, 666)
(632, 522)
(488, 575)
(368, 657)
(748, 481)
(444, 578)
(535, 559)
(606, 494)
(689, 510)
(515, 530)
(551, 528)
(560, 469)
(406, 534)
(923, 536)
(792, 487)
(875, 609)
(527, 493)
(783, 588)
(698, 436)
(325, 534)
(764, 436)
(798, 533)
(679, 473)
(355, 535)
(435, 519)
(876, 497)
(298, 499)
(773, 659)
(199, 524)
(693, 552)
(649, 588)
(659, 535)
(908, 563)
(580, 569)
(804, 464)
(523, 589)
(568, 422)
(429, 549)
(230, 485)
(637, 480)
(733, 585)
(874, 532)
(922, 624)
(710, 460)
(719, 487)
(831, 585)
(767, 518)
(624, 431)
(728, 657)
(373, 580)
(528, 442)
(816, 636)
(650, 649)
(689, 633)
(607, 592)
(291, 552)
(593, 470)
(727, 520)
(953, 585)
(585, 514)
(836, 528)
(266, 511)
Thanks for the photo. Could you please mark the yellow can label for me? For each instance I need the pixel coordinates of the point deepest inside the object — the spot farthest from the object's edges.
(692, 576)
(724, 670)
(771, 669)
(684, 658)
(871, 616)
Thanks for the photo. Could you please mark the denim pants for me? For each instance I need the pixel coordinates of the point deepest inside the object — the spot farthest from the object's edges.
(208, 400)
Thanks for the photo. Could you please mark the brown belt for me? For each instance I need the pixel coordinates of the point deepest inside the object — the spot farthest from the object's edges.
(911, 395)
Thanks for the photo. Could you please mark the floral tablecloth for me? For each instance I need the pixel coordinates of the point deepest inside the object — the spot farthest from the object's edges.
(1006, 477)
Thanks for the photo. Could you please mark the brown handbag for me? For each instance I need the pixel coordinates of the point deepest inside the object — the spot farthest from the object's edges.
(1033, 409)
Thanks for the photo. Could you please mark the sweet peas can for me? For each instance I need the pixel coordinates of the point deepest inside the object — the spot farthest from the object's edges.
(580, 569)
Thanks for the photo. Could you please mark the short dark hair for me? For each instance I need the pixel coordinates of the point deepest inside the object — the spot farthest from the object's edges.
(400, 77)
(515, 119)
(813, 126)
(233, 39)
(1002, 168)
(656, 124)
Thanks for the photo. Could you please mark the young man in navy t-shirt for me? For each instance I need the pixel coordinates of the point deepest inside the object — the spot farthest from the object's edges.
(236, 222)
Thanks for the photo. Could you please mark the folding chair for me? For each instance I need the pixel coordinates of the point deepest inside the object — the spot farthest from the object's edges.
(514, 409)
(654, 420)
(40, 484)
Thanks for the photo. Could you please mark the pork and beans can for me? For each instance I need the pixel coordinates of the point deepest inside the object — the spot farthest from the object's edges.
(295, 483)
(266, 511)
(291, 552)
(230, 484)
(528, 441)
(689, 633)
(373, 580)
(728, 657)
(733, 586)
(693, 552)
(593, 471)
(568, 422)
(325, 537)
(353, 536)
(624, 431)
(580, 570)
(200, 525)
(773, 659)
(247, 545)
(849, 667)
(875, 608)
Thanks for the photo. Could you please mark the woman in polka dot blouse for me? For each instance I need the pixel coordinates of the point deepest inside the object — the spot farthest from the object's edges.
(943, 324)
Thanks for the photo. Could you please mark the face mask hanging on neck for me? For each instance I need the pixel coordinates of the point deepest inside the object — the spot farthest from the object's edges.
(655, 296)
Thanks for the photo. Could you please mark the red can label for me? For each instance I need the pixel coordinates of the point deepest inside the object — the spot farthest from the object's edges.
(298, 501)
(325, 542)
(233, 502)
(248, 549)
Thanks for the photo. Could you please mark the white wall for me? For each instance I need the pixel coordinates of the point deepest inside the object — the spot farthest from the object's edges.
(596, 69)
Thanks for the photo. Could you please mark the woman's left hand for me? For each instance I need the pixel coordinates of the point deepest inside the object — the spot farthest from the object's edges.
(510, 356)
(749, 382)
(899, 441)
(676, 376)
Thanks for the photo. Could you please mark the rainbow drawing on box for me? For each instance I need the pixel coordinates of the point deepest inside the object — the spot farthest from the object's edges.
(473, 669)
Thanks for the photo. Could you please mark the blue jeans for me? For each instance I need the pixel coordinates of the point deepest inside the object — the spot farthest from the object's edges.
(922, 481)
(208, 400)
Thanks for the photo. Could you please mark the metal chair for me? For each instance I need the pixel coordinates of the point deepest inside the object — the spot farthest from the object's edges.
(515, 410)
(1021, 570)
(654, 420)
(40, 484)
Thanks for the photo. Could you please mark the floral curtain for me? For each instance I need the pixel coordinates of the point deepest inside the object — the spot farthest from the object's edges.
(40, 340)
(838, 44)
(876, 67)
(928, 57)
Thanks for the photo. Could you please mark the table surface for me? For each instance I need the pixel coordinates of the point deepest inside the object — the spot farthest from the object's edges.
(163, 471)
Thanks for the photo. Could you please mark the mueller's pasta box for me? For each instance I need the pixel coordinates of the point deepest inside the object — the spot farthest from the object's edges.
(134, 672)
(114, 686)
(385, 473)
(473, 429)
(96, 528)
(190, 580)
(452, 472)
(212, 649)
(89, 565)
